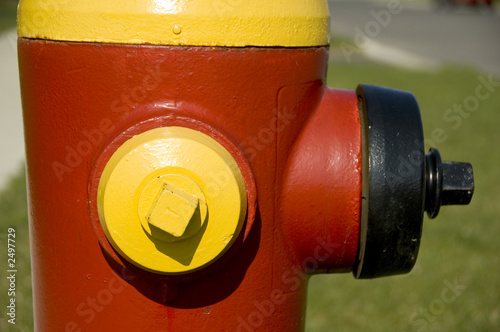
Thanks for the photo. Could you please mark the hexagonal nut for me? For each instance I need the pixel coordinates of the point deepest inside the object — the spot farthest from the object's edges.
(458, 183)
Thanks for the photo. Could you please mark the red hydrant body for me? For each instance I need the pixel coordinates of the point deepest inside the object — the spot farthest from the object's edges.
(267, 276)
(297, 144)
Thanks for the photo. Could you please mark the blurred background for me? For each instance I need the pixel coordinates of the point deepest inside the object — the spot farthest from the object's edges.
(441, 51)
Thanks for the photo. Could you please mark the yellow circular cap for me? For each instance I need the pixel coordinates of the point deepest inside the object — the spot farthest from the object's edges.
(171, 200)
(286, 23)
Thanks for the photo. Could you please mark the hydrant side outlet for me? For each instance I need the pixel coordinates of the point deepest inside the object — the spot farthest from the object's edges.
(321, 197)
(160, 207)
(401, 182)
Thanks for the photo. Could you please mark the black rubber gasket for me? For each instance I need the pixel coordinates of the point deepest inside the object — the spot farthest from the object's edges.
(394, 196)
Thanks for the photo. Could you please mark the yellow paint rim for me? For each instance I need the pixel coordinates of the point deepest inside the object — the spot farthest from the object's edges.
(230, 23)
(172, 172)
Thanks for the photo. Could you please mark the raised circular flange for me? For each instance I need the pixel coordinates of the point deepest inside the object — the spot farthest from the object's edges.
(394, 182)
(170, 154)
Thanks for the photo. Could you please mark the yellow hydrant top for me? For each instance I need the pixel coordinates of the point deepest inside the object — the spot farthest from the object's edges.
(284, 23)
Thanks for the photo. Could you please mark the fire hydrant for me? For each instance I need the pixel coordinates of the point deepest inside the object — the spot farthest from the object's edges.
(188, 170)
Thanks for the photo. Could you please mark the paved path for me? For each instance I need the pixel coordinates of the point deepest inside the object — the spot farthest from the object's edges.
(11, 123)
(418, 32)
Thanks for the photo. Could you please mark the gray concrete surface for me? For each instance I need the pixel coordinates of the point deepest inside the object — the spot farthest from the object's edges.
(418, 31)
(11, 123)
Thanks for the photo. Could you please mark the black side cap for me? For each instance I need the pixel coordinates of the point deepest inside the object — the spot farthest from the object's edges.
(401, 182)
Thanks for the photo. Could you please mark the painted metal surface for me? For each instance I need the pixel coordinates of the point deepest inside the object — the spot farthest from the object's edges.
(297, 145)
(193, 188)
(290, 23)
(321, 195)
(159, 204)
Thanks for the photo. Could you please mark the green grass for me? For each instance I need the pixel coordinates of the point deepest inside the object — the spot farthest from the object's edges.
(8, 11)
(14, 213)
(461, 245)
